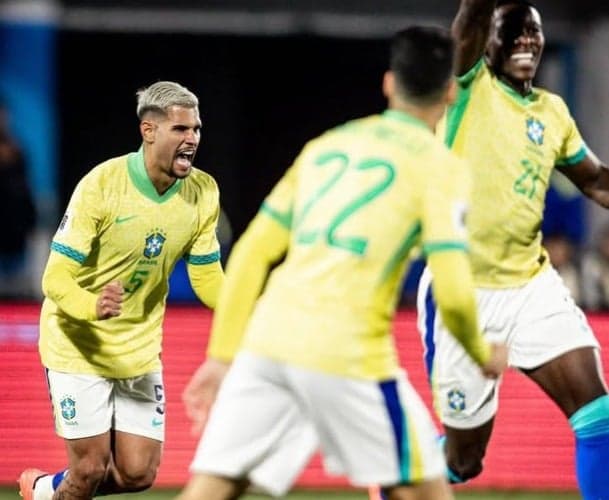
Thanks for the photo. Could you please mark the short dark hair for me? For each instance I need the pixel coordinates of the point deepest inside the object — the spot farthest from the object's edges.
(422, 61)
(527, 3)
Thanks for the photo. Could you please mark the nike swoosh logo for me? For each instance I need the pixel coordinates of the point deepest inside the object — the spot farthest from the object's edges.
(156, 422)
(120, 220)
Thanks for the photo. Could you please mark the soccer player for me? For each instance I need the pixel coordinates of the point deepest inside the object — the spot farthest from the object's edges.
(317, 363)
(129, 220)
(512, 136)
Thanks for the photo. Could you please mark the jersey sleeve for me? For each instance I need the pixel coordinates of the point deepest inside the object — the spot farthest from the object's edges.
(279, 204)
(70, 247)
(206, 282)
(444, 237)
(262, 245)
(205, 248)
(81, 221)
(573, 149)
(444, 207)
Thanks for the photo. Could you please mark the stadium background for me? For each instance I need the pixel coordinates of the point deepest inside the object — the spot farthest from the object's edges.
(270, 75)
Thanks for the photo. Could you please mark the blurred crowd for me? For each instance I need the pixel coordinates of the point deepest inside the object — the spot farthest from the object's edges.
(18, 214)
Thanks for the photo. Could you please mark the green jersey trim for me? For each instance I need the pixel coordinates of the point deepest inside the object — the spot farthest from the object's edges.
(574, 159)
(68, 252)
(466, 78)
(443, 246)
(284, 218)
(525, 100)
(402, 251)
(198, 260)
(139, 177)
(403, 117)
(457, 110)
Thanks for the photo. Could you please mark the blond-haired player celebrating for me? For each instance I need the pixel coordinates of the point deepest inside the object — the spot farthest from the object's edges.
(129, 220)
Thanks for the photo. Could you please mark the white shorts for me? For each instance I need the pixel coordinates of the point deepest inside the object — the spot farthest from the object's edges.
(539, 321)
(89, 405)
(269, 418)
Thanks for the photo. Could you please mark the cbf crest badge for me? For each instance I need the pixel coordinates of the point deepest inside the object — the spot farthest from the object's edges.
(535, 130)
(456, 400)
(154, 244)
(68, 407)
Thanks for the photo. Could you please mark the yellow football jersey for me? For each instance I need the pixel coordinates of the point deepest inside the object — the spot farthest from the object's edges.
(358, 200)
(511, 144)
(119, 228)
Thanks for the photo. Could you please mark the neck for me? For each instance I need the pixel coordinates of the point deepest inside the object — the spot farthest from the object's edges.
(523, 87)
(159, 178)
(427, 114)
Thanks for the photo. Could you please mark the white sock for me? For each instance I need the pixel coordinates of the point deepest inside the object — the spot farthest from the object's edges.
(44, 488)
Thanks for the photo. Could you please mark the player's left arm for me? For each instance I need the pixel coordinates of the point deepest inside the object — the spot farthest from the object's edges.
(591, 176)
(206, 281)
(203, 257)
(258, 250)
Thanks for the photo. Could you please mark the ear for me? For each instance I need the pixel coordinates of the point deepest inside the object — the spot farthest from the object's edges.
(451, 91)
(388, 84)
(148, 130)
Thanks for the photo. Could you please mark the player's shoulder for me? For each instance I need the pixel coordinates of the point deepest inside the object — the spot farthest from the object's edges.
(550, 100)
(106, 173)
(443, 165)
(202, 179)
(201, 188)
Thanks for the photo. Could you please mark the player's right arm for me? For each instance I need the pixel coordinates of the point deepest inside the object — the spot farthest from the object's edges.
(69, 249)
(444, 212)
(59, 284)
(470, 30)
(453, 290)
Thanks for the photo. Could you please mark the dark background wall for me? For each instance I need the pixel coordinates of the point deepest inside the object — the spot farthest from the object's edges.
(261, 98)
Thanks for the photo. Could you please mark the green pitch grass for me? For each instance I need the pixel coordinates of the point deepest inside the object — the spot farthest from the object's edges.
(7, 493)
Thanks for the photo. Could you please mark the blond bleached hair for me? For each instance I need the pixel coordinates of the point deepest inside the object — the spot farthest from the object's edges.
(160, 96)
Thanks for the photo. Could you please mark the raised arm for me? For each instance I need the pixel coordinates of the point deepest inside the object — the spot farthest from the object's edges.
(470, 30)
(591, 176)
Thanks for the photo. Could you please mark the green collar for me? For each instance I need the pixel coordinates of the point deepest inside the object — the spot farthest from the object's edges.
(139, 177)
(526, 99)
(396, 114)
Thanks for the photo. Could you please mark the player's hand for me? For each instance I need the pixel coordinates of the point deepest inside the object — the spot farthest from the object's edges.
(200, 392)
(109, 301)
(498, 361)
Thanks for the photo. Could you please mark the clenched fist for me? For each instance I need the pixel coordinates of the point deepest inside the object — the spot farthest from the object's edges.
(109, 301)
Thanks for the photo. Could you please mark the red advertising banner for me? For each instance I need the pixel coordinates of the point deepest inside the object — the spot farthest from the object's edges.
(532, 445)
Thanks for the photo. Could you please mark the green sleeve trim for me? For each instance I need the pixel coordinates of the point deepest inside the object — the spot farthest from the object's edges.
(443, 246)
(198, 260)
(68, 252)
(284, 218)
(409, 240)
(465, 79)
(574, 159)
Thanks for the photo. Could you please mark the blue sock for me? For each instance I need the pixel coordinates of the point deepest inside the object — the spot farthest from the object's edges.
(591, 427)
(58, 478)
